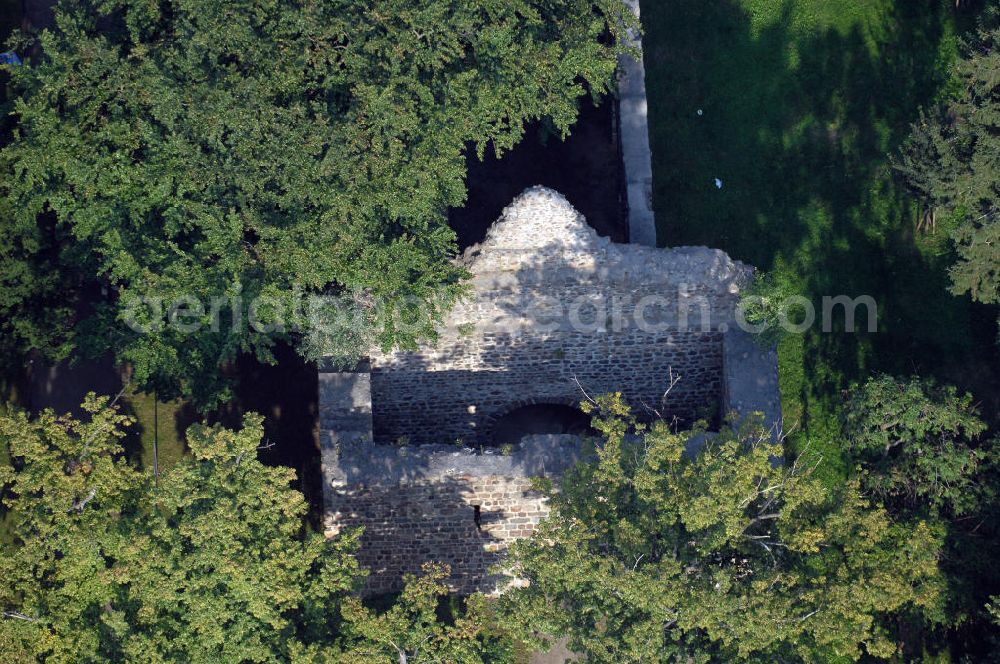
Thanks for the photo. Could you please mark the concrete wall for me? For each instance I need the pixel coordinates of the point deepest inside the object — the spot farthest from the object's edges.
(750, 380)
(636, 153)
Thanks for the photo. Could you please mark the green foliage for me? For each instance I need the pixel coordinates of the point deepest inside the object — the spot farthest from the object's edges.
(214, 564)
(773, 306)
(790, 123)
(920, 450)
(914, 440)
(655, 554)
(270, 149)
(950, 164)
(412, 631)
(36, 311)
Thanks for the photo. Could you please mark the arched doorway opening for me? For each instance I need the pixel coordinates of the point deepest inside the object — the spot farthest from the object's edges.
(540, 419)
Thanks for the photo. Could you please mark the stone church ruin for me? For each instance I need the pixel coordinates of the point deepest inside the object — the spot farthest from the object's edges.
(417, 445)
(410, 440)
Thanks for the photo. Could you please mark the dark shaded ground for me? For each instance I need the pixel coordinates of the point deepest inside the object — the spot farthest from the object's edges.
(543, 418)
(63, 387)
(585, 168)
(285, 394)
(10, 17)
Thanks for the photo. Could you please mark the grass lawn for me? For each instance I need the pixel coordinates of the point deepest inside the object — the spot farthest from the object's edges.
(802, 103)
(154, 421)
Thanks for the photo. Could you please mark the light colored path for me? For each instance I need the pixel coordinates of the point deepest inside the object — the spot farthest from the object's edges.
(635, 144)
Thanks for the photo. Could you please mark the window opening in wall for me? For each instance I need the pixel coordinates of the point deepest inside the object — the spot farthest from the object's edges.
(477, 516)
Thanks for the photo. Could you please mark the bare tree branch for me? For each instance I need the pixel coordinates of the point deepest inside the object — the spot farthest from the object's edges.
(19, 616)
(78, 505)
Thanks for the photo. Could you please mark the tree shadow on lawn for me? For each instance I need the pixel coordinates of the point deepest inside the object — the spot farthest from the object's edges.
(799, 125)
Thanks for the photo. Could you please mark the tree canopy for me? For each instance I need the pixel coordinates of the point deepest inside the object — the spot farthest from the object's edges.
(921, 448)
(411, 631)
(951, 162)
(187, 155)
(215, 564)
(916, 442)
(655, 553)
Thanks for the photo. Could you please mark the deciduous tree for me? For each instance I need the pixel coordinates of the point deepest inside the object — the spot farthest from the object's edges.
(258, 151)
(412, 631)
(215, 564)
(654, 553)
(916, 443)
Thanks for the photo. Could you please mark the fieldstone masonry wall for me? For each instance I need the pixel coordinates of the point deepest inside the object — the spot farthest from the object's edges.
(440, 503)
(435, 521)
(555, 311)
(458, 395)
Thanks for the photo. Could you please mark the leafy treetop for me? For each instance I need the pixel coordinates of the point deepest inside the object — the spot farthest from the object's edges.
(951, 163)
(213, 565)
(653, 553)
(916, 443)
(192, 149)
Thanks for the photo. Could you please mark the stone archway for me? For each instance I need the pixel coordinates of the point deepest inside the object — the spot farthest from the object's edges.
(546, 416)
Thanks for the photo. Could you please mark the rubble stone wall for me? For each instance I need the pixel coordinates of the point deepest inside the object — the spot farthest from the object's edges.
(439, 503)
(555, 313)
(407, 525)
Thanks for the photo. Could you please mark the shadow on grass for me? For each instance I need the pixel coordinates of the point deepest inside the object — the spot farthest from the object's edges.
(799, 121)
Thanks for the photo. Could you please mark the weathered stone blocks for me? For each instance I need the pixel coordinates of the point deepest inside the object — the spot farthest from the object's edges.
(556, 311)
